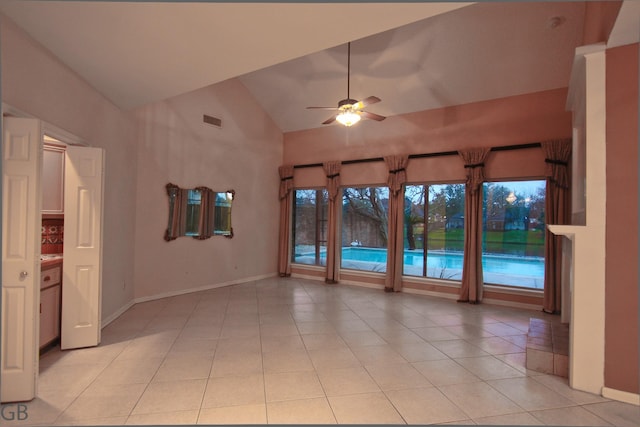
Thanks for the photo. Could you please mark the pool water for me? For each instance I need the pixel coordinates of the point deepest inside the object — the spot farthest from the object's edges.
(497, 269)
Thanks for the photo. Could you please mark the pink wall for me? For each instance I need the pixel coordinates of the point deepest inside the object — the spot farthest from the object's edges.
(621, 309)
(514, 120)
(34, 81)
(174, 145)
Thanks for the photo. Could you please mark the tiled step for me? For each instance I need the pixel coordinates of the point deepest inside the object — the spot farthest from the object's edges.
(548, 347)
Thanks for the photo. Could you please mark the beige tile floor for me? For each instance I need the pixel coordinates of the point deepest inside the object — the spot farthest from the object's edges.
(297, 351)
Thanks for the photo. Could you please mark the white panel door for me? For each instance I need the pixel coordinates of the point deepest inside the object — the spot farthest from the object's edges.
(81, 270)
(21, 224)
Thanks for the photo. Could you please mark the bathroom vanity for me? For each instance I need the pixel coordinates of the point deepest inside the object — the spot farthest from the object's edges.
(50, 299)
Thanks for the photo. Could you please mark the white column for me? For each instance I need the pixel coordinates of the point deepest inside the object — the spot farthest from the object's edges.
(587, 100)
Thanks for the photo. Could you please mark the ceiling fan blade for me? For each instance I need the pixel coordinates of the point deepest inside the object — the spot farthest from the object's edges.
(322, 108)
(367, 101)
(372, 116)
(330, 120)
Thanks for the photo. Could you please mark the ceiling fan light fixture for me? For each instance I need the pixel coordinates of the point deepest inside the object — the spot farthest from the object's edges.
(349, 110)
(348, 117)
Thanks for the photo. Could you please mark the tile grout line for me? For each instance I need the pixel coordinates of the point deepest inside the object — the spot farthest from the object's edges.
(358, 304)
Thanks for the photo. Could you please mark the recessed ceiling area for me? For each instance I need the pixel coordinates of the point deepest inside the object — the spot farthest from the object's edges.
(479, 52)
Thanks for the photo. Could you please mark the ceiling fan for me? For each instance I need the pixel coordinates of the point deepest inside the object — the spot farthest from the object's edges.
(350, 111)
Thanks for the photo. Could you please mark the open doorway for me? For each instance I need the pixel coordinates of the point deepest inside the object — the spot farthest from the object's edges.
(80, 273)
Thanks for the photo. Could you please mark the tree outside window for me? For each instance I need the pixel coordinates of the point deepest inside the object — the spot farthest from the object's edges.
(310, 226)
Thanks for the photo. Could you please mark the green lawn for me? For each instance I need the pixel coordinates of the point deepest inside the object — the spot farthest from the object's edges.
(512, 242)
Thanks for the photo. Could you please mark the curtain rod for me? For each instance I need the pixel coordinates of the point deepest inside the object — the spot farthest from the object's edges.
(424, 155)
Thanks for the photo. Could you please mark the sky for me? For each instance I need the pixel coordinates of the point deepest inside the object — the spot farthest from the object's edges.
(524, 188)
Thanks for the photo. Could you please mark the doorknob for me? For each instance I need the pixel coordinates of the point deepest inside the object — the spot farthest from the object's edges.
(23, 274)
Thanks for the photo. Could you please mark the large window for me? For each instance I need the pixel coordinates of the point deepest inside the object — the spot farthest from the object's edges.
(513, 233)
(434, 214)
(310, 226)
(364, 228)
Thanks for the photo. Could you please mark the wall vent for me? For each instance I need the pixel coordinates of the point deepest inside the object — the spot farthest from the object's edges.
(214, 121)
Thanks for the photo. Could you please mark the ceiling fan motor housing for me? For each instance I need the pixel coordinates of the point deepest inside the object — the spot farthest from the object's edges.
(346, 103)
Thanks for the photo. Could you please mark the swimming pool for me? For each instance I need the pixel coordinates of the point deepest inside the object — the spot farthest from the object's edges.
(497, 269)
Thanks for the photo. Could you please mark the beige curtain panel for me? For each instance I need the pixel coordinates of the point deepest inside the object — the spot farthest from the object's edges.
(207, 209)
(557, 155)
(177, 222)
(472, 277)
(332, 171)
(286, 207)
(397, 177)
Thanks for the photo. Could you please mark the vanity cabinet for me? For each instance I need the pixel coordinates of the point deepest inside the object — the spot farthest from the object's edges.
(53, 179)
(50, 298)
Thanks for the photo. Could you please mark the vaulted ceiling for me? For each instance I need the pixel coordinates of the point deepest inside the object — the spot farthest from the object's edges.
(414, 56)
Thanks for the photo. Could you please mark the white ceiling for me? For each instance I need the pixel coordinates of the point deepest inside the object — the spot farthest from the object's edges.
(414, 56)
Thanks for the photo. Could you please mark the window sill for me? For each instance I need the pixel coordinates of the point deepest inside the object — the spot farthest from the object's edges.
(431, 281)
(309, 267)
(513, 291)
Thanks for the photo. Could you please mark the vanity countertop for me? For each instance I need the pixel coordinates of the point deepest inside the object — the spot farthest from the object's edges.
(50, 260)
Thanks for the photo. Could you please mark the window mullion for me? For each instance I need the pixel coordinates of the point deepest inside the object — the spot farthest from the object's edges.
(425, 231)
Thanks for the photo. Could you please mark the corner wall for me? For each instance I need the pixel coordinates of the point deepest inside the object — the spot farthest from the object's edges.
(36, 82)
(174, 145)
(621, 302)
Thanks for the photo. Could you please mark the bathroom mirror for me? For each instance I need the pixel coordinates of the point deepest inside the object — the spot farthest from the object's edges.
(198, 212)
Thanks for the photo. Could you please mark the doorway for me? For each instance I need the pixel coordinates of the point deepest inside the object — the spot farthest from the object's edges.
(21, 275)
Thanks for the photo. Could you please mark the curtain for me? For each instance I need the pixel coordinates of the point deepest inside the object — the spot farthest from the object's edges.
(286, 207)
(395, 242)
(207, 209)
(332, 170)
(557, 154)
(177, 212)
(472, 278)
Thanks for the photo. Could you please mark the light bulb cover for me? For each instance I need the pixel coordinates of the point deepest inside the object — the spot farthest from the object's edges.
(348, 118)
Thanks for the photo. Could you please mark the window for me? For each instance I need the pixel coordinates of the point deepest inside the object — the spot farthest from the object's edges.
(440, 223)
(364, 228)
(513, 233)
(310, 226)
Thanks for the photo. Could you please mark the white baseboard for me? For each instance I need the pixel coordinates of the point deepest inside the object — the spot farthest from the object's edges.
(429, 293)
(202, 288)
(117, 314)
(621, 396)
(361, 284)
(424, 292)
(127, 306)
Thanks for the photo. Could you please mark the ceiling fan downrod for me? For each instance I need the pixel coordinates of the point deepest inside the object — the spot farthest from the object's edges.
(348, 101)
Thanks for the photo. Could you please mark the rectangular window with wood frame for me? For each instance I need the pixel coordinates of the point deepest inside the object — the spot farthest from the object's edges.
(434, 231)
(310, 226)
